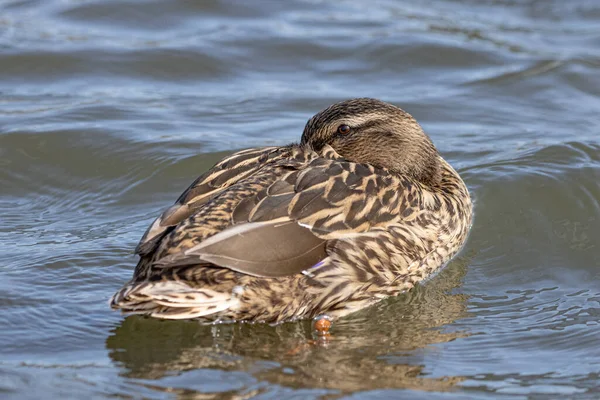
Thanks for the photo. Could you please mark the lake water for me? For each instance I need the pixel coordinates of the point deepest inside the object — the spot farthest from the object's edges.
(109, 109)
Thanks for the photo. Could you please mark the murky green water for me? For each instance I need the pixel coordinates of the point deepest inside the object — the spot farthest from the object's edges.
(109, 109)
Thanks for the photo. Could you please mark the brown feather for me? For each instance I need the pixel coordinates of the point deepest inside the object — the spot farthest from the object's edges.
(273, 249)
(328, 226)
(210, 184)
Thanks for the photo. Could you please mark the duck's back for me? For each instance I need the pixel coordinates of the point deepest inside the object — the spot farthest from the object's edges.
(280, 233)
(208, 206)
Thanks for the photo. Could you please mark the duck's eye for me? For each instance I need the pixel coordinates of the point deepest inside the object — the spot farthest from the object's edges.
(343, 129)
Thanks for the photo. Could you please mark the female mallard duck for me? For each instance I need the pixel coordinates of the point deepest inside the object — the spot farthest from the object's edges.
(362, 209)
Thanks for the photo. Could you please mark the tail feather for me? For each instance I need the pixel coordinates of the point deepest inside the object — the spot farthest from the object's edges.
(171, 300)
(189, 313)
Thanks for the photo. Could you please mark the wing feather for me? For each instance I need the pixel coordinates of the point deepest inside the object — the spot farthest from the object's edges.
(267, 249)
(278, 222)
(224, 174)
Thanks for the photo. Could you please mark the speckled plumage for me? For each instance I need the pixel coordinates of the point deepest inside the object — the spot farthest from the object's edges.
(328, 226)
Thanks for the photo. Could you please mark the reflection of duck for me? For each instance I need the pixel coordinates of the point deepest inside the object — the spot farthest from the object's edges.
(372, 349)
(362, 209)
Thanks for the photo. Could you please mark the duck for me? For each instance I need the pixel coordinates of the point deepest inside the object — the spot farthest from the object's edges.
(361, 209)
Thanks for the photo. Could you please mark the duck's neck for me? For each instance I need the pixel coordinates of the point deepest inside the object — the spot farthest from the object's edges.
(452, 185)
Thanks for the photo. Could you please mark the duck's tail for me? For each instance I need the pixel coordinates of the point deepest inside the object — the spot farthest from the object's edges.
(171, 300)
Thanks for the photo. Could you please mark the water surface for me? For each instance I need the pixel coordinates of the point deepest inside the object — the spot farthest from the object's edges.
(109, 109)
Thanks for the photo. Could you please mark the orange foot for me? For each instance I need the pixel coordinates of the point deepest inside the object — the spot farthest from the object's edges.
(321, 326)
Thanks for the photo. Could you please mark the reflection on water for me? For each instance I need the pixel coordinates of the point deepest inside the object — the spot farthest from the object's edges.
(364, 352)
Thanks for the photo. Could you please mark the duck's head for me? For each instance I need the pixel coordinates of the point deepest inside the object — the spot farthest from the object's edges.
(373, 132)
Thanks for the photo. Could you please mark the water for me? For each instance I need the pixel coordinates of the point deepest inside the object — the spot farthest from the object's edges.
(109, 109)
